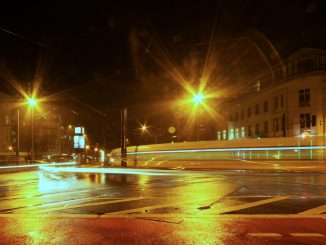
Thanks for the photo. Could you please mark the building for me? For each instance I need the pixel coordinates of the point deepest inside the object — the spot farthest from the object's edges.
(290, 103)
(7, 125)
(45, 130)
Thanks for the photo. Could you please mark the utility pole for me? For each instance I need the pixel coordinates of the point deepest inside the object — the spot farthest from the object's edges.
(124, 137)
(17, 137)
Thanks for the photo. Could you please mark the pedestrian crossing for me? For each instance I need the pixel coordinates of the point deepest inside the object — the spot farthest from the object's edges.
(157, 206)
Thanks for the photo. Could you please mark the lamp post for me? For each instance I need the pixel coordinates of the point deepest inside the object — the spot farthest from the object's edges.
(144, 128)
(32, 102)
(198, 99)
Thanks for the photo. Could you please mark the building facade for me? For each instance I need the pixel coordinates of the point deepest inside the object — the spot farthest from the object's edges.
(291, 104)
(47, 133)
(7, 125)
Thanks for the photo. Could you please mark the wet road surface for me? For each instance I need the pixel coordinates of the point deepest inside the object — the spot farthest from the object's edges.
(87, 206)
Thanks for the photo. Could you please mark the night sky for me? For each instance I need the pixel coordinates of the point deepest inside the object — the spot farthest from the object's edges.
(97, 56)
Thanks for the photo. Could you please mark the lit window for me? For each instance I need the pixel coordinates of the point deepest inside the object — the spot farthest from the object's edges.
(237, 133)
(305, 120)
(243, 132)
(231, 134)
(219, 135)
(224, 134)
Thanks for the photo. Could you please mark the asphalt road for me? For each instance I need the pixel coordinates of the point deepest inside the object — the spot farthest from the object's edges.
(87, 206)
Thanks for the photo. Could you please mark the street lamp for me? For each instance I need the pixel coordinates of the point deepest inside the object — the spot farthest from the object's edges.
(144, 128)
(32, 102)
(198, 99)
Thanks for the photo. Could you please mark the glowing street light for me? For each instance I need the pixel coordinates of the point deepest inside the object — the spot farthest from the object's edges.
(198, 99)
(144, 127)
(32, 102)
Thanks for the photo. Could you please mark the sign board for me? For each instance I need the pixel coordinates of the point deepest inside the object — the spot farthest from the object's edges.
(79, 139)
(79, 130)
(79, 142)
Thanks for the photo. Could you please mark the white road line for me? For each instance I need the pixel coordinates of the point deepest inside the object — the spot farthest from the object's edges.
(134, 210)
(177, 203)
(317, 210)
(252, 204)
(264, 234)
(91, 204)
(174, 215)
(307, 234)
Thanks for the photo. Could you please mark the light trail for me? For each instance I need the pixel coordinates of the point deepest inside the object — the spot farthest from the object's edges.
(38, 165)
(228, 150)
(111, 171)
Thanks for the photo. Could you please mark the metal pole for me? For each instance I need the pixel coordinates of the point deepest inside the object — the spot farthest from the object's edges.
(123, 137)
(32, 153)
(17, 137)
(324, 121)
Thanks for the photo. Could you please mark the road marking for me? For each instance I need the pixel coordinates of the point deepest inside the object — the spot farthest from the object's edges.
(306, 234)
(158, 206)
(160, 162)
(264, 234)
(231, 189)
(92, 204)
(318, 210)
(174, 215)
(252, 204)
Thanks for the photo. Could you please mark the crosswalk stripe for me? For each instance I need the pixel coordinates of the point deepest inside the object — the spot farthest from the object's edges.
(306, 234)
(170, 215)
(252, 204)
(92, 204)
(134, 210)
(177, 203)
(317, 210)
(264, 234)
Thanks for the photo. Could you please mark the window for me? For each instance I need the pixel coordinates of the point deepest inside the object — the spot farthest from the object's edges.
(305, 120)
(275, 103)
(243, 133)
(304, 97)
(322, 62)
(313, 121)
(249, 111)
(237, 133)
(266, 128)
(282, 100)
(249, 130)
(230, 117)
(224, 134)
(257, 86)
(219, 135)
(236, 116)
(231, 134)
(275, 124)
(242, 114)
(257, 109)
(266, 106)
(257, 129)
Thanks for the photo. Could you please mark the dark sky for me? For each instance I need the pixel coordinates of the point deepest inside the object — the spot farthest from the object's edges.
(107, 54)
